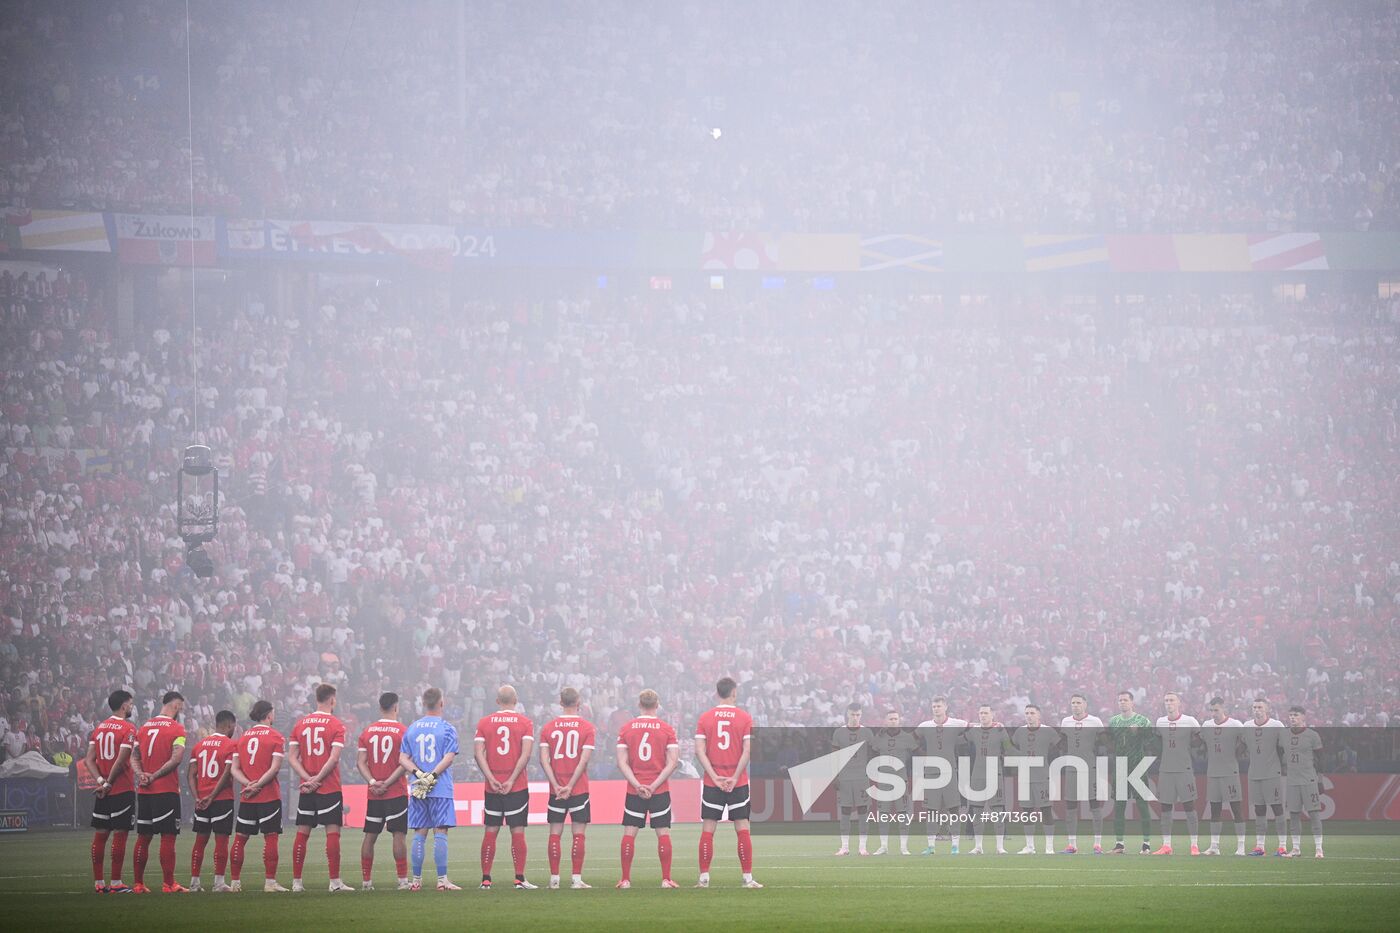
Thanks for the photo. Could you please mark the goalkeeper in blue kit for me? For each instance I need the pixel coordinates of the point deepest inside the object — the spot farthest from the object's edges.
(429, 746)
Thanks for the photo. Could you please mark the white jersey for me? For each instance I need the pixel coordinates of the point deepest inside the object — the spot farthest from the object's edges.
(942, 739)
(1264, 743)
(1176, 743)
(1222, 747)
(1082, 736)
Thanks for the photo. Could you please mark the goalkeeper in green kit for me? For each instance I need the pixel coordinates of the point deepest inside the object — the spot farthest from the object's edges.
(1131, 734)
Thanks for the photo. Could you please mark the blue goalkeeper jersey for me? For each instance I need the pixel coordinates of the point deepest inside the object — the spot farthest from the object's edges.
(426, 742)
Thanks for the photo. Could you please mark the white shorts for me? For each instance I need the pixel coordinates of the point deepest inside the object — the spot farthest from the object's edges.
(1176, 787)
(1304, 798)
(1223, 789)
(1266, 792)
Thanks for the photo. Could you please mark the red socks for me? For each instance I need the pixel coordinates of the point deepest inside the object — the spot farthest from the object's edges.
(167, 858)
(236, 863)
(299, 854)
(629, 847)
(138, 860)
(270, 854)
(197, 856)
(333, 854)
(707, 850)
(663, 849)
(118, 853)
(488, 852)
(745, 851)
(220, 855)
(517, 853)
(99, 851)
(577, 853)
(401, 864)
(367, 868)
(555, 854)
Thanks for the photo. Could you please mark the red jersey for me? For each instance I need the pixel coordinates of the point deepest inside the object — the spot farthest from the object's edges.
(503, 733)
(565, 738)
(725, 730)
(315, 735)
(212, 756)
(259, 750)
(156, 741)
(646, 739)
(382, 742)
(109, 738)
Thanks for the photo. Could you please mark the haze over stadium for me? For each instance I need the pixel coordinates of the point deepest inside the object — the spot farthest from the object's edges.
(866, 355)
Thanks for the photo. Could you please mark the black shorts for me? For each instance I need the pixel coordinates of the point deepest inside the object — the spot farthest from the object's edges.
(265, 818)
(512, 809)
(320, 809)
(637, 811)
(115, 812)
(574, 808)
(217, 818)
(157, 814)
(389, 813)
(715, 804)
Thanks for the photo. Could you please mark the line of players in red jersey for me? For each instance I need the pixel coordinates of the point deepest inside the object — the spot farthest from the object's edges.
(138, 785)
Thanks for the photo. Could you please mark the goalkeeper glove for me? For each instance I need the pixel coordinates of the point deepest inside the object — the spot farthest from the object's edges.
(423, 785)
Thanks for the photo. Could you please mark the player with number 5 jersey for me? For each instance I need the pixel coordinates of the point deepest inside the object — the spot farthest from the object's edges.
(722, 739)
(503, 743)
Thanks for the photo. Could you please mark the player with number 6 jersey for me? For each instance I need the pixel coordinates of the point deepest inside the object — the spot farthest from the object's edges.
(503, 743)
(722, 744)
(566, 746)
(647, 752)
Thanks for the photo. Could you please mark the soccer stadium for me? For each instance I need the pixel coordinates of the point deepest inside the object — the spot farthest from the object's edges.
(785, 465)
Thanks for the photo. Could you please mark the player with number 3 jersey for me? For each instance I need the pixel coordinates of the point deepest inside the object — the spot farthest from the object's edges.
(503, 743)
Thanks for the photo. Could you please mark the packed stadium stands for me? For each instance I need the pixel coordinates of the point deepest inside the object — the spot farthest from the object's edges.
(1055, 117)
(829, 498)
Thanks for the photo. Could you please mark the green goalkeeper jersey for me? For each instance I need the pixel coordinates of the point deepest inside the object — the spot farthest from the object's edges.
(1132, 736)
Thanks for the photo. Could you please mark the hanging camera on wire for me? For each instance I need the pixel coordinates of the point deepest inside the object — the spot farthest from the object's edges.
(197, 511)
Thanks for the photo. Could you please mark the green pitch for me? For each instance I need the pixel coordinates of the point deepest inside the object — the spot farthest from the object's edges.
(45, 884)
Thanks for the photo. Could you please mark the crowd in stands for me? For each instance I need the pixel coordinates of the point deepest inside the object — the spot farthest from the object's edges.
(829, 497)
(1074, 116)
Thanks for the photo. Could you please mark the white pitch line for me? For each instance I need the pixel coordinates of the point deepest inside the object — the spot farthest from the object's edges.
(1091, 884)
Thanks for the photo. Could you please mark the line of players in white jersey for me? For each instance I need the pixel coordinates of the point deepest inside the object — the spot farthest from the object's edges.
(1282, 775)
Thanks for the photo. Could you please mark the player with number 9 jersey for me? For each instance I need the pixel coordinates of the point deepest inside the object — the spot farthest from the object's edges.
(261, 749)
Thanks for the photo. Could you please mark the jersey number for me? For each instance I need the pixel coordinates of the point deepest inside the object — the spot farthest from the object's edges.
(566, 744)
(314, 738)
(209, 763)
(381, 746)
(427, 749)
(151, 745)
(252, 750)
(107, 746)
(722, 734)
(503, 733)
(644, 747)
